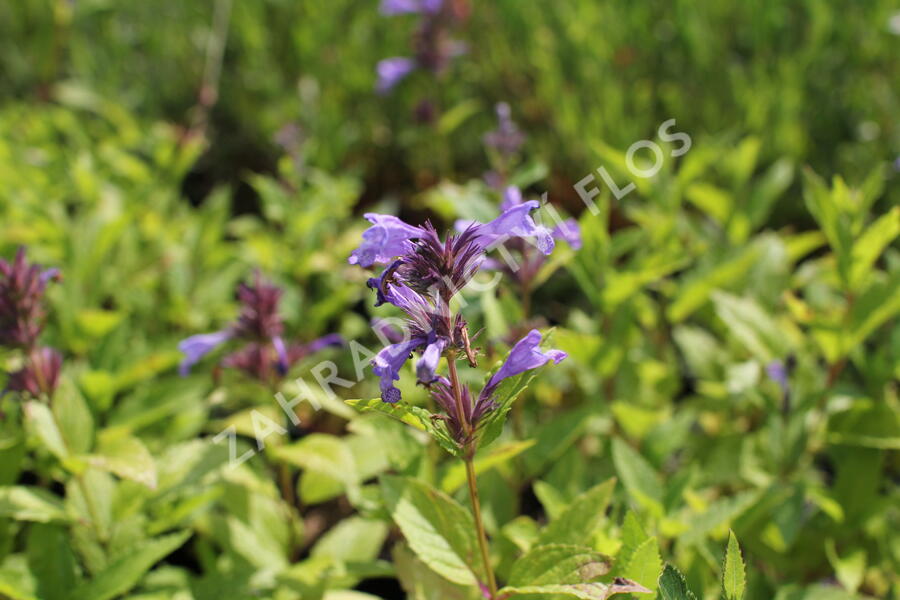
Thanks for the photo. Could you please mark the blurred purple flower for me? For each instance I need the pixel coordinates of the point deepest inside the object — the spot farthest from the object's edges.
(22, 314)
(777, 372)
(400, 7)
(259, 325)
(197, 346)
(39, 376)
(392, 71)
(506, 139)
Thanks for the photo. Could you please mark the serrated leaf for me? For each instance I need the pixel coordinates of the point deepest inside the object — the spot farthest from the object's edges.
(558, 564)
(583, 591)
(645, 565)
(414, 416)
(734, 578)
(437, 528)
(126, 572)
(577, 523)
(672, 585)
(491, 425)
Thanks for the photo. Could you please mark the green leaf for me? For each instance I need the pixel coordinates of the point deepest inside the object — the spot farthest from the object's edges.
(672, 585)
(869, 246)
(411, 415)
(638, 477)
(41, 421)
(23, 503)
(438, 529)
(558, 564)
(584, 591)
(51, 560)
(645, 565)
(455, 476)
(577, 523)
(734, 578)
(74, 418)
(324, 454)
(491, 425)
(125, 456)
(421, 583)
(126, 572)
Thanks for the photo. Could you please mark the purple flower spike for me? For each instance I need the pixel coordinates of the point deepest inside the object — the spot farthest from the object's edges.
(387, 365)
(570, 232)
(516, 222)
(392, 71)
(524, 356)
(198, 346)
(426, 368)
(386, 238)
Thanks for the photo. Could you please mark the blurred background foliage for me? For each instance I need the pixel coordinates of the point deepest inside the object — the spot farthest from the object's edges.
(159, 152)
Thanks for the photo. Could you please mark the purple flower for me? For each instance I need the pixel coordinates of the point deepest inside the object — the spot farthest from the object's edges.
(387, 365)
(777, 372)
(40, 375)
(387, 238)
(516, 222)
(400, 7)
(570, 232)
(392, 71)
(512, 197)
(22, 314)
(426, 368)
(265, 353)
(524, 356)
(506, 139)
(198, 346)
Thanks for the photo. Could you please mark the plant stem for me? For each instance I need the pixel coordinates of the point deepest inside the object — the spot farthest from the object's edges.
(479, 524)
(469, 456)
(92, 508)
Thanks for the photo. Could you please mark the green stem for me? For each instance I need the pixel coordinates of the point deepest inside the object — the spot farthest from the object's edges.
(479, 524)
(93, 512)
(469, 455)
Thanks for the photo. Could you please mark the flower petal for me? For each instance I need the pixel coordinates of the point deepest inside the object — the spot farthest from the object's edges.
(570, 232)
(198, 346)
(387, 365)
(384, 240)
(392, 71)
(426, 368)
(524, 356)
(516, 222)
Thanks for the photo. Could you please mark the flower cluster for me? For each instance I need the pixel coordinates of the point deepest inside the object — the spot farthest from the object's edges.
(22, 316)
(433, 44)
(264, 354)
(422, 276)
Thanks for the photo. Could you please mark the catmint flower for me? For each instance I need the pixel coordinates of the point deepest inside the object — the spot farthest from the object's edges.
(392, 71)
(530, 262)
(524, 356)
(423, 275)
(433, 45)
(506, 139)
(260, 327)
(39, 376)
(22, 314)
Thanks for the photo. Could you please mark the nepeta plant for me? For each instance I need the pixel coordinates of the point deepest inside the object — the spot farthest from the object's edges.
(423, 275)
(264, 355)
(22, 317)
